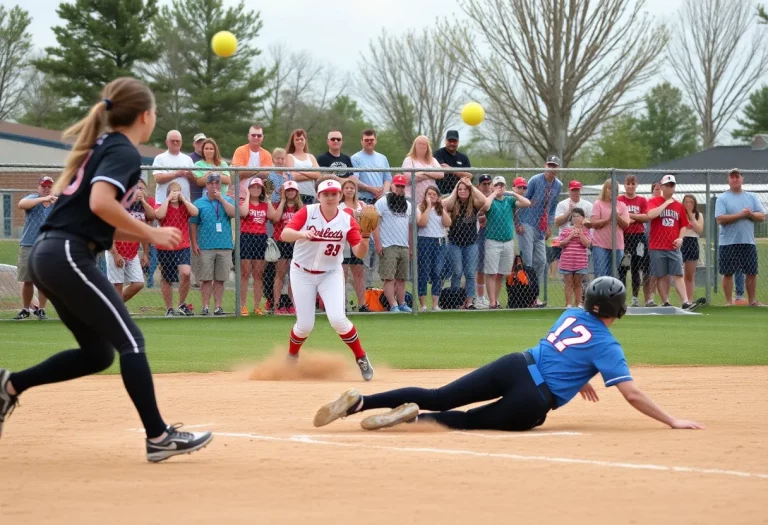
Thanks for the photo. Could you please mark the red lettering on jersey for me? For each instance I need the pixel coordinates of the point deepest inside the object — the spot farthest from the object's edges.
(327, 234)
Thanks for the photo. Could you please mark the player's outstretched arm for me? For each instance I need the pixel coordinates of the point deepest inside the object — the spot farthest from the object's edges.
(638, 399)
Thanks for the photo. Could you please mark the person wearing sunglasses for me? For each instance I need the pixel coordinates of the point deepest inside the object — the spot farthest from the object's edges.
(252, 155)
(334, 158)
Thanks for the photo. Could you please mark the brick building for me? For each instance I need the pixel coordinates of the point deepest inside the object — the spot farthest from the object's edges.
(20, 144)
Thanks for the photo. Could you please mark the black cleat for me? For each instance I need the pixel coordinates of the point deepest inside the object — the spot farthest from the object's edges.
(24, 314)
(176, 443)
(7, 401)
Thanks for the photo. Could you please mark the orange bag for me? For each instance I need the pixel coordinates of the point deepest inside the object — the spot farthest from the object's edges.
(373, 299)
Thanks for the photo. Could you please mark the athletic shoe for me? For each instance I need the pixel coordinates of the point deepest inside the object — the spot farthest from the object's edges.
(482, 303)
(40, 314)
(205, 311)
(339, 408)
(7, 401)
(185, 310)
(176, 443)
(364, 309)
(219, 311)
(436, 309)
(170, 312)
(405, 308)
(401, 414)
(23, 314)
(258, 311)
(365, 367)
(666, 304)
(635, 302)
(423, 309)
(291, 310)
(244, 311)
(394, 309)
(650, 304)
(690, 306)
(282, 311)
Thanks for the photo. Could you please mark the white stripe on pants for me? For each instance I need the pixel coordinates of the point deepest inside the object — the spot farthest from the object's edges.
(330, 286)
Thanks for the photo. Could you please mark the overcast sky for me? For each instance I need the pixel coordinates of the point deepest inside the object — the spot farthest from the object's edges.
(336, 31)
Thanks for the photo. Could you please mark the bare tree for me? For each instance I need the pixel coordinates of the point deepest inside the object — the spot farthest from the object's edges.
(302, 89)
(716, 60)
(555, 69)
(15, 54)
(411, 84)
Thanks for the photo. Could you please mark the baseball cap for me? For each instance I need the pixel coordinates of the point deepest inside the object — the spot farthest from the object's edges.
(452, 135)
(668, 179)
(484, 178)
(734, 171)
(329, 185)
(213, 177)
(520, 182)
(255, 180)
(290, 185)
(199, 136)
(553, 159)
(499, 179)
(574, 185)
(399, 180)
(46, 181)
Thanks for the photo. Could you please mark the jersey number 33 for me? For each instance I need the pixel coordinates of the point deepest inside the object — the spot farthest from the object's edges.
(581, 334)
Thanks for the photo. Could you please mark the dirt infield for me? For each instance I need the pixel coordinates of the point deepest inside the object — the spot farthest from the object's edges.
(72, 454)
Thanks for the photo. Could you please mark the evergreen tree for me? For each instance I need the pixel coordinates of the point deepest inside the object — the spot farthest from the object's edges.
(755, 119)
(668, 128)
(222, 95)
(100, 41)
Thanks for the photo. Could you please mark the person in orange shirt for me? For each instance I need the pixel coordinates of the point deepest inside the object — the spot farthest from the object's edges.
(251, 155)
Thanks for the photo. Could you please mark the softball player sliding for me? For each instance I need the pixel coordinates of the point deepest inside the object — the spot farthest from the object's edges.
(320, 231)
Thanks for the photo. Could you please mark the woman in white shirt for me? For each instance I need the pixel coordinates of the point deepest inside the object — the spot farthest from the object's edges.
(298, 162)
(432, 219)
(353, 264)
(690, 246)
(420, 156)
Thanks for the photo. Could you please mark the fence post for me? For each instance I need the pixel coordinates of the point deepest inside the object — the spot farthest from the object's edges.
(708, 242)
(236, 181)
(614, 205)
(414, 248)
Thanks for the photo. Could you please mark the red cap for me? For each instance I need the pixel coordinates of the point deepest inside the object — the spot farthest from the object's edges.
(574, 185)
(46, 181)
(520, 182)
(399, 180)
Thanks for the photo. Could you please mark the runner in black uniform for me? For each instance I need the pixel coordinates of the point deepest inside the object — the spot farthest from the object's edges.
(97, 185)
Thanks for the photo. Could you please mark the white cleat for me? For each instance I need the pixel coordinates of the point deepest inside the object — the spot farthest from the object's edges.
(402, 414)
(338, 408)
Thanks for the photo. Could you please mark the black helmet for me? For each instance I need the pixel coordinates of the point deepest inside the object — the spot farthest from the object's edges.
(606, 297)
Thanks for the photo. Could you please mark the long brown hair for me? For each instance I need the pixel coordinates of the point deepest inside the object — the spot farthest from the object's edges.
(216, 152)
(355, 202)
(122, 101)
(438, 205)
(290, 148)
(469, 209)
(605, 192)
(695, 205)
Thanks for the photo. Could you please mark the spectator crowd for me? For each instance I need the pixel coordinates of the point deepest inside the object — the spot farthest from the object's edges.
(466, 230)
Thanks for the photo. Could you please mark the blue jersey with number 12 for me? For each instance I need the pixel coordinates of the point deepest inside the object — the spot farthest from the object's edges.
(577, 347)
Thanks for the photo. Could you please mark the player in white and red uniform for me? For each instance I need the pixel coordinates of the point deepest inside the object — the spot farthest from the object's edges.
(320, 231)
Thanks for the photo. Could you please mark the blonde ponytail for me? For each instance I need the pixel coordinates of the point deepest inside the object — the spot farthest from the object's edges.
(87, 131)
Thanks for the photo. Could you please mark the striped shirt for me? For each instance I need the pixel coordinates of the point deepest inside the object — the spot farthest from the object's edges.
(394, 227)
(574, 254)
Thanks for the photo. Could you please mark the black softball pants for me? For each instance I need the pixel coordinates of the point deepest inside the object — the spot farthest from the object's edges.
(64, 268)
(522, 404)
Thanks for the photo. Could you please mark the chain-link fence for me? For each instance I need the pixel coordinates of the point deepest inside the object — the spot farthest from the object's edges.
(504, 238)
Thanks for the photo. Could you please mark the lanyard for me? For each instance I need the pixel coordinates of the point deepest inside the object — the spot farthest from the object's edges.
(216, 207)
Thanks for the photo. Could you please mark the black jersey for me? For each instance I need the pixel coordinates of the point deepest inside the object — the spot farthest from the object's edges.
(113, 159)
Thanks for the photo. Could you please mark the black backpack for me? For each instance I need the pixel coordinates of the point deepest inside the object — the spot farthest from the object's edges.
(522, 285)
(452, 299)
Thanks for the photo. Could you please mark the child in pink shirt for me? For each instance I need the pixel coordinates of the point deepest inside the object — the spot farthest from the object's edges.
(573, 257)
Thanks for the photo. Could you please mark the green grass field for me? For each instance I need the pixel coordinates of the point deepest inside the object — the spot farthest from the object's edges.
(446, 340)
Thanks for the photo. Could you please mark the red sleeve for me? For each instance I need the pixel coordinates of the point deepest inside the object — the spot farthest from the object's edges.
(683, 216)
(348, 211)
(353, 235)
(299, 219)
(655, 203)
(643, 205)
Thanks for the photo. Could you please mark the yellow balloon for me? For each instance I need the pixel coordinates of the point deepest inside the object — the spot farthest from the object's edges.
(472, 113)
(224, 44)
